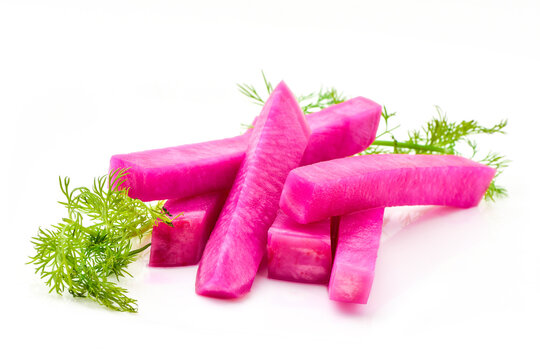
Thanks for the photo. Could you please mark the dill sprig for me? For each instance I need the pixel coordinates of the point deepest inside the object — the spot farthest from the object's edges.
(91, 248)
(309, 103)
(437, 136)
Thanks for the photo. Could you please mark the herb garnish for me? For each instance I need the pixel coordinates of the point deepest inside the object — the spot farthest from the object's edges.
(93, 245)
(309, 103)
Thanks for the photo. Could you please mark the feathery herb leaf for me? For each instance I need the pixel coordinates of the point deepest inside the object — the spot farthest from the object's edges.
(93, 244)
(309, 103)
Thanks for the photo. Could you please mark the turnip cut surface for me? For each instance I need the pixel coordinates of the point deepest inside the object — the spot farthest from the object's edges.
(299, 252)
(356, 254)
(182, 171)
(332, 188)
(237, 243)
(183, 243)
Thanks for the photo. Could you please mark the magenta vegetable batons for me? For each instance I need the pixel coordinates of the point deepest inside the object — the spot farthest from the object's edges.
(237, 243)
(184, 171)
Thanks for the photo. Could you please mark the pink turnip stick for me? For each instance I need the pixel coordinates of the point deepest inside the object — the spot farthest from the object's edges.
(356, 254)
(237, 243)
(332, 188)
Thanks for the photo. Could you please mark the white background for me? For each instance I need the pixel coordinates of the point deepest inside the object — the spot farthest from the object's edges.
(80, 81)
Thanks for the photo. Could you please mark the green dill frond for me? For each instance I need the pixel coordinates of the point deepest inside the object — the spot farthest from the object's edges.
(267, 84)
(316, 102)
(94, 243)
(246, 126)
(309, 103)
(250, 92)
(498, 162)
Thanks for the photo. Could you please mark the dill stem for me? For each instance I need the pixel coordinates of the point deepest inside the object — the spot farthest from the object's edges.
(410, 146)
(141, 232)
(139, 250)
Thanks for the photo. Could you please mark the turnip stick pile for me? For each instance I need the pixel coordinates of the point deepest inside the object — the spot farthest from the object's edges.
(288, 189)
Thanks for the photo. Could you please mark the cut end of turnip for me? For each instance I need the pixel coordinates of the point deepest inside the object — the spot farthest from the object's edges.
(350, 285)
(356, 254)
(183, 243)
(298, 252)
(293, 198)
